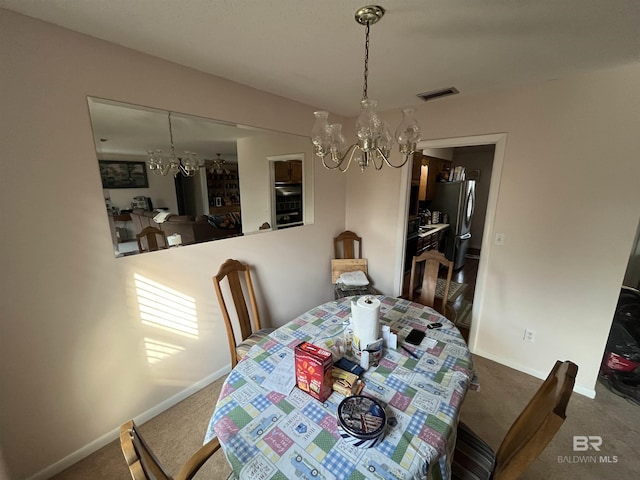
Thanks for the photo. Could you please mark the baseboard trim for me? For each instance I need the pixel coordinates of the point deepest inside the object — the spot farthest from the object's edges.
(586, 392)
(105, 439)
(589, 393)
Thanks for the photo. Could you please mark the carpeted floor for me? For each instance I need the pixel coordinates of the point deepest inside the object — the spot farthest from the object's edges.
(177, 433)
(174, 436)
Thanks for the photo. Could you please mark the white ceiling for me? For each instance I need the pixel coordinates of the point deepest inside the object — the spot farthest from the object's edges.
(312, 50)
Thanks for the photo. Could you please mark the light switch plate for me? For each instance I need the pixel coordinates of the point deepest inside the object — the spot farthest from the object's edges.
(500, 238)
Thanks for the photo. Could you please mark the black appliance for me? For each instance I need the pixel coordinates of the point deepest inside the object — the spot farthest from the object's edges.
(288, 205)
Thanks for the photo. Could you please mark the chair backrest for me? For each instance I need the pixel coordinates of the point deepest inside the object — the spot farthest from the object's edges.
(428, 278)
(150, 237)
(231, 270)
(345, 243)
(142, 463)
(537, 424)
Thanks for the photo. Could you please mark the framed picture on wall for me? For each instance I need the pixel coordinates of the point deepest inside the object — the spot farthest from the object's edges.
(119, 174)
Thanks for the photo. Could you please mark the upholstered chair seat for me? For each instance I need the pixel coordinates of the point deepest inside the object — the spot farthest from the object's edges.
(253, 339)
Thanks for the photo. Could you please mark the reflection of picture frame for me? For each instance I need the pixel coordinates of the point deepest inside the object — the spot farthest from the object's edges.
(117, 174)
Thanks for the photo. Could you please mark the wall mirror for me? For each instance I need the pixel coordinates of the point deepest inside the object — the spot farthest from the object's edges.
(221, 183)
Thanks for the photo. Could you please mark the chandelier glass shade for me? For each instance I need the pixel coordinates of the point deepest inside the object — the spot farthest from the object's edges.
(374, 135)
(163, 164)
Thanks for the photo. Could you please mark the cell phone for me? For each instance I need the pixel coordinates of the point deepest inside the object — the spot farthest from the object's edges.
(434, 325)
(415, 337)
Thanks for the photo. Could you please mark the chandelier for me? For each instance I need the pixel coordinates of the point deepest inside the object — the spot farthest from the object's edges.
(161, 164)
(217, 164)
(374, 137)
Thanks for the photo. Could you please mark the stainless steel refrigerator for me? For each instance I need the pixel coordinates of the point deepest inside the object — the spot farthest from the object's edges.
(456, 199)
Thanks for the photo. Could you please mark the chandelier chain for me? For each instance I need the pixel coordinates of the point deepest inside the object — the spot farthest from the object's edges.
(171, 135)
(161, 164)
(366, 62)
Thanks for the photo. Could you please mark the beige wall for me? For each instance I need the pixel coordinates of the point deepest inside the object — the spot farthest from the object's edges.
(568, 203)
(73, 364)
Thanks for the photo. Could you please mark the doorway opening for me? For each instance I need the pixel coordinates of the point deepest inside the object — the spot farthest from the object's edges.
(191, 194)
(482, 157)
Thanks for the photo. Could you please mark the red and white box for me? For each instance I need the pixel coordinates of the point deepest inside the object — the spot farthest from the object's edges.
(314, 368)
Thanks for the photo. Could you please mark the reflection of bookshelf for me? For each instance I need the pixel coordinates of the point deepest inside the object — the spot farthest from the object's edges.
(223, 189)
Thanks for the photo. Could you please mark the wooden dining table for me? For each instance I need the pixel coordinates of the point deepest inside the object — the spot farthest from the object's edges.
(266, 434)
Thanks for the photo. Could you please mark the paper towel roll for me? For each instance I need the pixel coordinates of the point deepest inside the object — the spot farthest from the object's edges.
(364, 320)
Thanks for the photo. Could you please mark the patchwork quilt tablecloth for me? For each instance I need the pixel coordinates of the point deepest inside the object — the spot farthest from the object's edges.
(269, 435)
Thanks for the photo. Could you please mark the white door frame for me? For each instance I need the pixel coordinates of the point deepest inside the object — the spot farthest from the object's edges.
(500, 142)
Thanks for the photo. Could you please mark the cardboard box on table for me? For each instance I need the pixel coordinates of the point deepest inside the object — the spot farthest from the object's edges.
(314, 366)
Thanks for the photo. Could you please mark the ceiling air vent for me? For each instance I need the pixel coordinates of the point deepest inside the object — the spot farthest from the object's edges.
(444, 92)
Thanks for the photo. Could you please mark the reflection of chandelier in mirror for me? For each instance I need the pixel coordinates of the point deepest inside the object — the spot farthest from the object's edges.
(161, 164)
(374, 138)
(217, 164)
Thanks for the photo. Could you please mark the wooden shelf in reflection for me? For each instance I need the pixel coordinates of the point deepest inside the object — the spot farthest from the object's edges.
(224, 209)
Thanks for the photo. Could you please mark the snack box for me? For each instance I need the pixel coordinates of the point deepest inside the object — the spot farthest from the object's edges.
(314, 366)
(344, 382)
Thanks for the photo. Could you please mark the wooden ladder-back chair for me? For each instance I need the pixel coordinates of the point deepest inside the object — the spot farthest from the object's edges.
(144, 465)
(150, 235)
(231, 270)
(346, 243)
(432, 260)
(526, 439)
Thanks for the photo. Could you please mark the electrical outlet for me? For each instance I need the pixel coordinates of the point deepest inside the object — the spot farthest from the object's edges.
(499, 238)
(529, 335)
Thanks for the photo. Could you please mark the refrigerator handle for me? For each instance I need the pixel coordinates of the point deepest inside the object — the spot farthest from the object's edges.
(466, 236)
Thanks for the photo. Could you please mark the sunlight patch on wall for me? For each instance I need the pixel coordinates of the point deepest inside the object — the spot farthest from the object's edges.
(165, 308)
(157, 350)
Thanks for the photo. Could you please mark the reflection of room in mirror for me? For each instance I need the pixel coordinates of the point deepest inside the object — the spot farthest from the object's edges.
(288, 191)
(125, 248)
(229, 195)
(288, 194)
